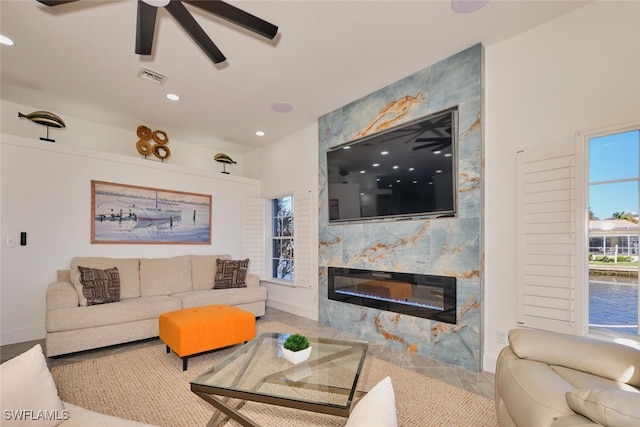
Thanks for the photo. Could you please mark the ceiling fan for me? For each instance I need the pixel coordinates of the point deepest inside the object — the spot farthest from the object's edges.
(437, 143)
(146, 22)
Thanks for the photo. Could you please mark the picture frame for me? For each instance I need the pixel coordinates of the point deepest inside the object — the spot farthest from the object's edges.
(130, 214)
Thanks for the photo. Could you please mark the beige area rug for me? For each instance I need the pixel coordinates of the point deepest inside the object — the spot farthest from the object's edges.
(148, 385)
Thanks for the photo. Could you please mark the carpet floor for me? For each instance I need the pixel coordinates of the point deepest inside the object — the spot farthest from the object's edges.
(148, 385)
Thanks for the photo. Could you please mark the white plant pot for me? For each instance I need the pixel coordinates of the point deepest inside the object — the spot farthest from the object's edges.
(296, 357)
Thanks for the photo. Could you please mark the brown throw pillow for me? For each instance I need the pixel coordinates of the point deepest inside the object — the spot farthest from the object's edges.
(100, 286)
(230, 273)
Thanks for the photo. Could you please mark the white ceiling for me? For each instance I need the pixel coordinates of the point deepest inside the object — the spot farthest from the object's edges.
(79, 59)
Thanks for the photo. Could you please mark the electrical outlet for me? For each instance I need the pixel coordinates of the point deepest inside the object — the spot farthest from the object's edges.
(501, 337)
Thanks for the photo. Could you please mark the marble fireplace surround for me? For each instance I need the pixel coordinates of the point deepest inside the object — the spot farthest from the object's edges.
(443, 246)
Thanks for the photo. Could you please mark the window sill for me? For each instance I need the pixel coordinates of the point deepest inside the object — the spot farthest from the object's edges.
(287, 283)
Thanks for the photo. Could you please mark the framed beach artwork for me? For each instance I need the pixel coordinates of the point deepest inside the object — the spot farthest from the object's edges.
(130, 214)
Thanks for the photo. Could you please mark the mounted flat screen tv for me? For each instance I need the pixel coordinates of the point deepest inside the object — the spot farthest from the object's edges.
(401, 173)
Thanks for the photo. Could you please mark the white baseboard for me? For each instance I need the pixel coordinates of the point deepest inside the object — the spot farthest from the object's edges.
(22, 335)
(289, 308)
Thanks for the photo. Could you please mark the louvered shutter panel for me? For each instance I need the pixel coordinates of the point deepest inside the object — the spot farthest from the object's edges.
(303, 253)
(254, 217)
(546, 240)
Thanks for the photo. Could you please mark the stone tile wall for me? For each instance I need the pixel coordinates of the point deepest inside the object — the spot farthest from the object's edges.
(445, 246)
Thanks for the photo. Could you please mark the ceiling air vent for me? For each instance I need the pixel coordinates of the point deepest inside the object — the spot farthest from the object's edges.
(152, 76)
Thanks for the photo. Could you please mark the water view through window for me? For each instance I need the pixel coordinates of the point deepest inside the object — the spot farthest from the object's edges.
(614, 177)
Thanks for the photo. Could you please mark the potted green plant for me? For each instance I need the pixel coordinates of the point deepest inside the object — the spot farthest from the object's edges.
(296, 348)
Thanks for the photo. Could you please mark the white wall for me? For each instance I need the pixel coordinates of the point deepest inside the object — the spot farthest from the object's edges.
(108, 139)
(576, 73)
(46, 193)
(286, 167)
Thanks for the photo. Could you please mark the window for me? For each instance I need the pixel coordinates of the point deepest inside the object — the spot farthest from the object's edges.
(614, 182)
(282, 238)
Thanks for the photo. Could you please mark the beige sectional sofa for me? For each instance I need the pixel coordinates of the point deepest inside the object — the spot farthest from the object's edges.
(550, 379)
(148, 288)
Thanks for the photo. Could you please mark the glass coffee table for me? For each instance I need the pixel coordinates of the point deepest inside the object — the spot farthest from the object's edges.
(258, 372)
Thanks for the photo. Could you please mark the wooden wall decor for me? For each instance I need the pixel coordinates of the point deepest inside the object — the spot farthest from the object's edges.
(159, 149)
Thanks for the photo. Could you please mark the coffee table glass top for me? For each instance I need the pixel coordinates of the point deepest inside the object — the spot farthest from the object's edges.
(257, 371)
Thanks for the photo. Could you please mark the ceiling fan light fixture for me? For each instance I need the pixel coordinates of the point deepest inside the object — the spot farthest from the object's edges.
(157, 3)
(468, 6)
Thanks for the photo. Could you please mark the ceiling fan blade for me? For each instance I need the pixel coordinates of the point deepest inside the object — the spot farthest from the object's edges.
(436, 146)
(184, 18)
(433, 139)
(237, 16)
(145, 28)
(55, 2)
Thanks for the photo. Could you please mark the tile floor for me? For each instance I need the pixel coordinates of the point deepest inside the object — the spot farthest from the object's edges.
(479, 383)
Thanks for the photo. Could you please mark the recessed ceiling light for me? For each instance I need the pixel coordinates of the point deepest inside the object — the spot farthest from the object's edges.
(395, 167)
(437, 152)
(375, 165)
(6, 41)
(468, 6)
(346, 148)
(448, 155)
(384, 153)
(439, 171)
(281, 107)
(173, 97)
(260, 133)
(411, 169)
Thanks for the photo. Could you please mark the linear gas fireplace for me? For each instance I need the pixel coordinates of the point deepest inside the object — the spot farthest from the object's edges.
(419, 295)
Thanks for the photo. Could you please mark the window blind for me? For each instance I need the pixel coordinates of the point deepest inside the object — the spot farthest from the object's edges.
(546, 234)
(254, 221)
(303, 253)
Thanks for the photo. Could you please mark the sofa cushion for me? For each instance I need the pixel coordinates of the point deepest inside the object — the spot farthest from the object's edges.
(80, 417)
(232, 296)
(612, 408)
(128, 268)
(531, 390)
(579, 379)
(377, 408)
(27, 386)
(231, 273)
(165, 276)
(602, 358)
(123, 311)
(100, 286)
(203, 270)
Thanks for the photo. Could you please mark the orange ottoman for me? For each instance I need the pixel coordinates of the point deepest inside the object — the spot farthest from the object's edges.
(195, 330)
